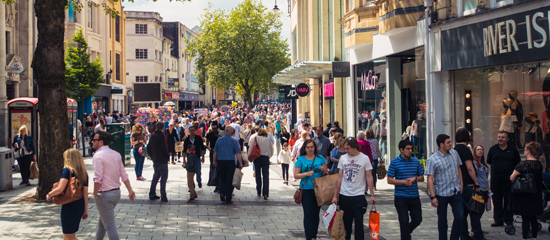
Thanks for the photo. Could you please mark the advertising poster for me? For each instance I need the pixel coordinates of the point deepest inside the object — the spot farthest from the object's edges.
(20, 118)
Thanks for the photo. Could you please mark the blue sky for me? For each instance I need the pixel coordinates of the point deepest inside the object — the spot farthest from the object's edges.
(188, 13)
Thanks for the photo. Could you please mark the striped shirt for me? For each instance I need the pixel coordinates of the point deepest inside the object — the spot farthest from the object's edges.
(444, 169)
(401, 169)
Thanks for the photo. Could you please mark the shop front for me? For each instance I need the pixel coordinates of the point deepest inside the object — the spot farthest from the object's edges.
(101, 100)
(188, 100)
(171, 99)
(500, 75)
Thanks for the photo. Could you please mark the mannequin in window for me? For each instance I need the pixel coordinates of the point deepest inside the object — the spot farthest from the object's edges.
(534, 132)
(546, 118)
(507, 121)
(517, 111)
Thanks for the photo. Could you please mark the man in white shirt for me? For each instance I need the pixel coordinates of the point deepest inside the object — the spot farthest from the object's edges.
(238, 130)
(108, 119)
(355, 170)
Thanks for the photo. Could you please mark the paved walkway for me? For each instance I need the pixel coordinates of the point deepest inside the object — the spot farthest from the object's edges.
(249, 217)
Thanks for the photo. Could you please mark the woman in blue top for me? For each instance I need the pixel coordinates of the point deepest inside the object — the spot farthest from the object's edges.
(308, 167)
(337, 152)
(71, 213)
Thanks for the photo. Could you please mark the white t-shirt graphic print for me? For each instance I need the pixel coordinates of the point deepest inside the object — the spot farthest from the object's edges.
(354, 180)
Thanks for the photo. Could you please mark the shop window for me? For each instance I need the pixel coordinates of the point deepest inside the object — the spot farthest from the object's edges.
(511, 98)
(141, 78)
(141, 53)
(141, 28)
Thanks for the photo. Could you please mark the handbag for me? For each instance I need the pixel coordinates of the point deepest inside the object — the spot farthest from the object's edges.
(34, 170)
(72, 192)
(381, 171)
(255, 153)
(299, 191)
(524, 183)
(142, 150)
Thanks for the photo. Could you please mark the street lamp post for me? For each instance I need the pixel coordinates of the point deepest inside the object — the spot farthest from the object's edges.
(275, 8)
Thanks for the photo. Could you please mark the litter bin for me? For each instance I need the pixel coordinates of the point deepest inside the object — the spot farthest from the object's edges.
(118, 132)
(6, 162)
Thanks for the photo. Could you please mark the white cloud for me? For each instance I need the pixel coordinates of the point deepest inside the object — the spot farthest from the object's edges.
(188, 13)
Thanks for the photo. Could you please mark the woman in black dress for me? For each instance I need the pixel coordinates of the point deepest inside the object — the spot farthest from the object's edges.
(172, 138)
(529, 205)
(71, 213)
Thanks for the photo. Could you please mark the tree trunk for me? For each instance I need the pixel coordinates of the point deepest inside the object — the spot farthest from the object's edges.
(49, 69)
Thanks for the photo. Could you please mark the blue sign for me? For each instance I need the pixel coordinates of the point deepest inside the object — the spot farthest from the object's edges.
(173, 82)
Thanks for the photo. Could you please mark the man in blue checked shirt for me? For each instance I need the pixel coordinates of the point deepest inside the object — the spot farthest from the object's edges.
(445, 186)
(404, 172)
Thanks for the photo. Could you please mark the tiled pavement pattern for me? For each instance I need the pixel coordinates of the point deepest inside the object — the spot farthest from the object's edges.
(248, 218)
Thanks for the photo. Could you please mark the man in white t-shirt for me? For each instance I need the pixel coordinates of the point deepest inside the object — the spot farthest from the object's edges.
(108, 119)
(355, 170)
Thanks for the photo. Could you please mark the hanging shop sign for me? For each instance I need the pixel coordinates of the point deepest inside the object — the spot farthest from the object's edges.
(341, 69)
(168, 96)
(302, 90)
(369, 81)
(516, 38)
(328, 90)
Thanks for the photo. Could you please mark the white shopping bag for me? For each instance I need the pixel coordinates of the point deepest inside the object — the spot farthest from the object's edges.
(328, 217)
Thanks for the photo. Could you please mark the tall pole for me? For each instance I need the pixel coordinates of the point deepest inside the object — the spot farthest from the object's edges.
(430, 116)
(3, 96)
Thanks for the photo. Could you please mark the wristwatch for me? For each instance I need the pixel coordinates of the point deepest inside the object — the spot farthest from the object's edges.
(432, 198)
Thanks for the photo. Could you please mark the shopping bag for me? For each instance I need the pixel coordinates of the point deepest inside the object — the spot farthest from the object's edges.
(179, 146)
(213, 180)
(34, 170)
(244, 156)
(329, 215)
(477, 203)
(337, 230)
(237, 177)
(374, 223)
(324, 189)
(255, 153)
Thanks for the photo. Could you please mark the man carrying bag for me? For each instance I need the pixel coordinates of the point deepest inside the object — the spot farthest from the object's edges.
(355, 169)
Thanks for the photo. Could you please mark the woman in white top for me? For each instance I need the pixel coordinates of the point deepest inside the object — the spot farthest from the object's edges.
(262, 163)
(284, 160)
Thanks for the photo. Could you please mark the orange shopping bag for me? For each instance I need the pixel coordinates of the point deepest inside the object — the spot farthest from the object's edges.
(374, 223)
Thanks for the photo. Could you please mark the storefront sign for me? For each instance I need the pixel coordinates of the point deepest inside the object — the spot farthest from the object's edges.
(517, 38)
(368, 81)
(189, 97)
(302, 90)
(16, 68)
(284, 88)
(168, 96)
(341, 69)
(173, 82)
(329, 90)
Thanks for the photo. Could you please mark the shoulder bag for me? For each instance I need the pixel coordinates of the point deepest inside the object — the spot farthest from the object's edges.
(524, 183)
(72, 192)
(298, 193)
(255, 153)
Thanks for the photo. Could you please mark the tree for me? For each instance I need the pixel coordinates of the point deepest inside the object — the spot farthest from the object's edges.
(83, 76)
(49, 71)
(242, 49)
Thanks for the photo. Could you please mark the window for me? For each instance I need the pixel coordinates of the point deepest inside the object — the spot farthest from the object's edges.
(141, 53)
(156, 79)
(500, 3)
(8, 42)
(141, 78)
(156, 55)
(117, 28)
(141, 28)
(89, 16)
(72, 13)
(117, 66)
(350, 5)
(294, 52)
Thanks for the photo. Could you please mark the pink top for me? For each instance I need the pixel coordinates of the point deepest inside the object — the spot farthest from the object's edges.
(108, 169)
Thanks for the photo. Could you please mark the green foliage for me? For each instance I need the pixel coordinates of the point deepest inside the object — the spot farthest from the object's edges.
(83, 76)
(242, 49)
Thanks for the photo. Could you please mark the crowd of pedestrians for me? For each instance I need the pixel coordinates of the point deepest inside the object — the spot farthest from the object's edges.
(453, 174)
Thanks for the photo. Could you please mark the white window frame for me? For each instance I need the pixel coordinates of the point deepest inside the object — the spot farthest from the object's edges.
(462, 12)
(495, 4)
(141, 29)
(142, 52)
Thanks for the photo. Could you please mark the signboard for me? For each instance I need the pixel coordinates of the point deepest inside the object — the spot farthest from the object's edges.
(368, 81)
(189, 97)
(20, 118)
(173, 82)
(521, 37)
(116, 91)
(16, 68)
(329, 90)
(291, 94)
(302, 90)
(168, 96)
(147, 92)
(284, 88)
(308, 115)
(341, 69)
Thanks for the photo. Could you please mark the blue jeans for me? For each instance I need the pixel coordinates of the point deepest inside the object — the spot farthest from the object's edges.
(311, 213)
(457, 207)
(198, 170)
(139, 162)
(374, 167)
(278, 136)
(262, 164)
(161, 172)
(475, 218)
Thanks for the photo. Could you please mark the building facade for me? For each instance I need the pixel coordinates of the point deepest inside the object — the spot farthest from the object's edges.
(117, 58)
(144, 55)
